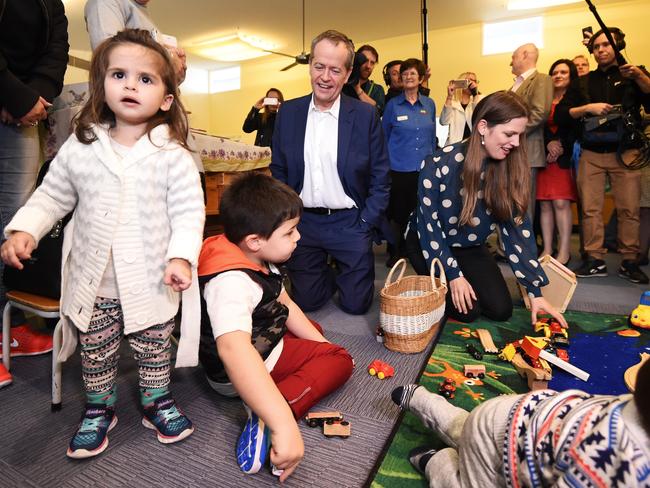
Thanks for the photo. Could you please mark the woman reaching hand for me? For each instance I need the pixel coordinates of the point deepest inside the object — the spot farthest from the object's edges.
(467, 191)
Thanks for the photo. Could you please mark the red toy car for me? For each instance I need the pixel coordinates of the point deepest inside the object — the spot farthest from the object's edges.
(380, 369)
(448, 388)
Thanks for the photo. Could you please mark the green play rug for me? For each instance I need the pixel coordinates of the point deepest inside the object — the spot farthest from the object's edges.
(595, 347)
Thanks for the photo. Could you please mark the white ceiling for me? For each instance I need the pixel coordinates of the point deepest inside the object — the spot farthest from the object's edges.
(279, 21)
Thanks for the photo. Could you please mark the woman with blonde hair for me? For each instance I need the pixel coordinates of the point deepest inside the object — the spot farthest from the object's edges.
(459, 106)
(467, 191)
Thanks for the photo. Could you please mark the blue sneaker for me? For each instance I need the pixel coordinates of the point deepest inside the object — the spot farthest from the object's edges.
(167, 420)
(91, 437)
(253, 444)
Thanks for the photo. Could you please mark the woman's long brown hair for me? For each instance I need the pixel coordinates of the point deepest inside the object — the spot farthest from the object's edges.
(96, 111)
(506, 183)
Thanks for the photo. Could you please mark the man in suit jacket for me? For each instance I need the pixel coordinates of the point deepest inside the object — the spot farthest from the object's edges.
(537, 91)
(330, 149)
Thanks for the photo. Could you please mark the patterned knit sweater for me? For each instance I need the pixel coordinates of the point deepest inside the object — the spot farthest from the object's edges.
(145, 209)
(574, 439)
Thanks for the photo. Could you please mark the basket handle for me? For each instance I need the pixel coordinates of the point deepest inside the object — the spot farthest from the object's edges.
(389, 278)
(443, 276)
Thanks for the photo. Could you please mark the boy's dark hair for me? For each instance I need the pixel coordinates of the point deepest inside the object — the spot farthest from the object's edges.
(257, 204)
(642, 395)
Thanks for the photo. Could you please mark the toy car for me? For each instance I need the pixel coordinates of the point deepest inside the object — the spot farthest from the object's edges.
(380, 369)
(314, 419)
(473, 351)
(640, 316)
(558, 335)
(334, 428)
(447, 388)
(474, 370)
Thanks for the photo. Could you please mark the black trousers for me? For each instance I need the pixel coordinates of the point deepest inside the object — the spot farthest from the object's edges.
(481, 271)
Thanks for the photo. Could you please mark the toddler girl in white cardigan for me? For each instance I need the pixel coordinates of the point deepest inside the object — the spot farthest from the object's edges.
(136, 232)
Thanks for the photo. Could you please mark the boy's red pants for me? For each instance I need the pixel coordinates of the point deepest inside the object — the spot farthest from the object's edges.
(307, 371)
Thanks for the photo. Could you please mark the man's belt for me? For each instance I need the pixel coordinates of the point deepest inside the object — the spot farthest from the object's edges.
(323, 210)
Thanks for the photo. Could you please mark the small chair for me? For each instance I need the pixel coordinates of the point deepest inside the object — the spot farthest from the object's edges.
(47, 308)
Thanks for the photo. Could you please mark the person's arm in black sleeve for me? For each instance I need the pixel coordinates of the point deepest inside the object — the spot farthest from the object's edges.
(572, 98)
(47, 74)
(252, 122)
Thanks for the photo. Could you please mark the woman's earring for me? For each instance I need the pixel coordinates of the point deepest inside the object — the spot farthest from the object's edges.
(482, 140)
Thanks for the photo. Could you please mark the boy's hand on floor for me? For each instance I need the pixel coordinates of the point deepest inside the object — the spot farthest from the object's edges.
(287, 449)
(178, 274)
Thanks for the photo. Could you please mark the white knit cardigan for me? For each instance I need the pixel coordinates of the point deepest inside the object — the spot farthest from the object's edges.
(147, 209)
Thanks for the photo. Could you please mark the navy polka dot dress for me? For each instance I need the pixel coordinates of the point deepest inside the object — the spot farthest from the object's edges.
(440, 194)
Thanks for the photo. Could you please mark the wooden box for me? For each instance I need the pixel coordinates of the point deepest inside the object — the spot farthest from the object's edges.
(561, 284)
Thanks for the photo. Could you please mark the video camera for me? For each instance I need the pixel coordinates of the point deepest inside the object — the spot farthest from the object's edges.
(348, 88)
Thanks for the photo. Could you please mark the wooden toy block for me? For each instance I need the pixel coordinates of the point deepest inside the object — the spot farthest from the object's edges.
(562, 283)
(486, 341)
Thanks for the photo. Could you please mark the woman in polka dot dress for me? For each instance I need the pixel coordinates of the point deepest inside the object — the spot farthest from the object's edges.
(467, 191)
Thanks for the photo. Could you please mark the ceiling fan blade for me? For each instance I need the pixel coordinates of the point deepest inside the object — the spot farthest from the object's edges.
(289, 66)
(279, 54)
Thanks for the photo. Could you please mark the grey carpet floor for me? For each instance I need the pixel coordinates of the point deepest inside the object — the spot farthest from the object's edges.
(33, 440)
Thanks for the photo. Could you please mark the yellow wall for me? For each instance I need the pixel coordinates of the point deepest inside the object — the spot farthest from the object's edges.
(451, 52)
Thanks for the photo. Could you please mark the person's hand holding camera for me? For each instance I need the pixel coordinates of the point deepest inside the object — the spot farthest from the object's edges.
(259, 105)
(636, 74)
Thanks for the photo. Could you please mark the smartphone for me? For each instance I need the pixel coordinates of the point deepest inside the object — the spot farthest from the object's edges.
(462, 84)
(587, 32)
(270, 101)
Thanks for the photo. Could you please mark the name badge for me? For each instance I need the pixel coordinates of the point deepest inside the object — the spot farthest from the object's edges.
(402, 118)
(422, 111)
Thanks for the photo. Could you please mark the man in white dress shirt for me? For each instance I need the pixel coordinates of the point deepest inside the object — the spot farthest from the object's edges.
(330, 149)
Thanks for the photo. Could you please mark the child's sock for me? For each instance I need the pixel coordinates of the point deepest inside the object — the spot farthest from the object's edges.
(150, 395)
(107, 398)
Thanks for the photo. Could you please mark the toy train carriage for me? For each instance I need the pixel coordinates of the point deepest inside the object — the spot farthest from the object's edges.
(558, 336)
(337, 428)
(314, 419)
(474, 370)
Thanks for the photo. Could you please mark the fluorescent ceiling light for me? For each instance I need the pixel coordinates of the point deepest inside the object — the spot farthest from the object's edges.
(532, 4)
(235, 47)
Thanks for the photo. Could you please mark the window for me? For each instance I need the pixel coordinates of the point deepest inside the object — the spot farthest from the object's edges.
(505, 37)
(227, 79)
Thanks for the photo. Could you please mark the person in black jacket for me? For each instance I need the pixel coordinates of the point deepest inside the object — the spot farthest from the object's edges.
(264, 122)
(33, 59)
(609, 88)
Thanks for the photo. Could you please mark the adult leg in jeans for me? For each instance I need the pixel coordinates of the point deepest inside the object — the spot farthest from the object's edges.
(19, 162)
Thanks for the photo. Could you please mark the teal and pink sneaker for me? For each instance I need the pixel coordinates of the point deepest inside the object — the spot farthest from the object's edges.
(167, 420)
(91, 438)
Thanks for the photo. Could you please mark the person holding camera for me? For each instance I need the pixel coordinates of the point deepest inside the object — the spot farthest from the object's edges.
(367, 90)
(462, 97)
(264, 122)
(409, 124)
(607, 87)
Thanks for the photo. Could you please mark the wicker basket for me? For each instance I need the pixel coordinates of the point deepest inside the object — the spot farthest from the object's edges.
(411, 308)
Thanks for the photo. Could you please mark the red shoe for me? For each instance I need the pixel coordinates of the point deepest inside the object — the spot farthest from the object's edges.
(5, 376)
(26, 342)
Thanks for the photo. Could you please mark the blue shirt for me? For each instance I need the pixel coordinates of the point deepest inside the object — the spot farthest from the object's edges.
(440, 203)
(410, 131)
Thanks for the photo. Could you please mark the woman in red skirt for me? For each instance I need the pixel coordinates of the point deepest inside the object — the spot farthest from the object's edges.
(556, 187)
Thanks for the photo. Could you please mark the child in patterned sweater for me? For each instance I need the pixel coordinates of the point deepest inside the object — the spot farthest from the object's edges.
(541, 438)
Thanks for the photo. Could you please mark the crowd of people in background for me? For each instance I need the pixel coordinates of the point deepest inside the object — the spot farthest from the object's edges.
(348, 171)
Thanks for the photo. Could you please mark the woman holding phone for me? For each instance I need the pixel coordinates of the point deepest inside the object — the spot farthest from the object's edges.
(462, 97)
(469, 190)
(264, 122)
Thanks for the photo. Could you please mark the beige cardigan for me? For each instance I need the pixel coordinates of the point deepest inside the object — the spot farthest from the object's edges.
(146, 209)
